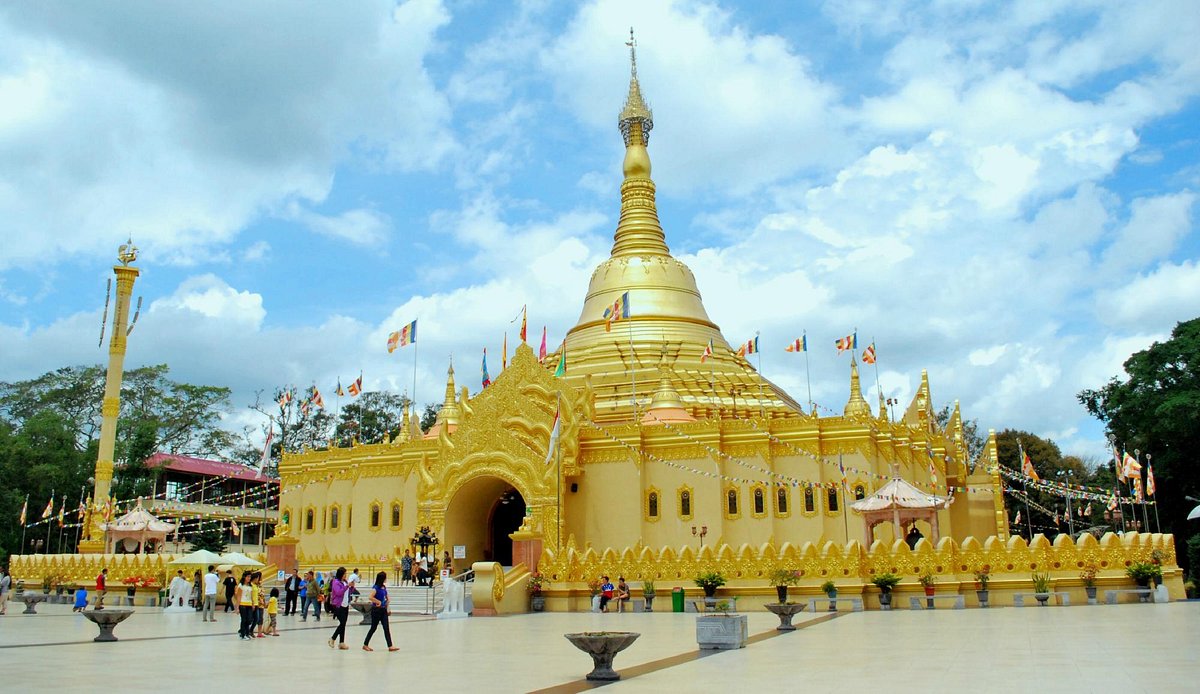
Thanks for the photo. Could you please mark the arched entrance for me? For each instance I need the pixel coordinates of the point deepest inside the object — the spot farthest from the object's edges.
(480, 517)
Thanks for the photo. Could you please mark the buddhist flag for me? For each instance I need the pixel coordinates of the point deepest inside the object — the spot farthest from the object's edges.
(542, 349)
(1131, 469)
(62, 512)
(524, 324)
(1027, 467)
(1017, 520)
(393, 341)
(708, 352)
(233, 528)
(552, 446)
(868, 355)
(1150, 481)
(1088, 511)
(619, 310)
(49, 510)
(487, 380)
(355, 388)
(561, 369)
(24, 509)
(285, 399)
(317, 399)
(847, 343)
(1112, 503)
(1137, 490)
(750, 347)
(504, 353)
(800, 344)
(266, 454)
(340, 390)
(408, 334)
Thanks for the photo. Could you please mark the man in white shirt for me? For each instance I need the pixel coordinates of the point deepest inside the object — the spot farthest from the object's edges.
(210, 593)
(352, 582)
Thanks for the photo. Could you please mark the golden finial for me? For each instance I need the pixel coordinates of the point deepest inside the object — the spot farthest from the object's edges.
(856, 406)
(636, 112)
(128, 252)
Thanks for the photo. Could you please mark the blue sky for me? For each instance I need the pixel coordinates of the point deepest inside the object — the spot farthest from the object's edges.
(1000, 193)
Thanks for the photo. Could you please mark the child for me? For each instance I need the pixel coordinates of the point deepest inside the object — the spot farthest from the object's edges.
(81, 599)
(272, 610)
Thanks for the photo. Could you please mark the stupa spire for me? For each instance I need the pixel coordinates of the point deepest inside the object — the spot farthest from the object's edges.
(450, 412)
(857, 406)
(405, 433)
(639, 232)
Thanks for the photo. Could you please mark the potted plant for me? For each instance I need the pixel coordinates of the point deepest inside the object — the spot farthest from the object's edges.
(1041, 587)
(1088, 576)
(537, 600)
(648, 592)
(982, 577)
(885, 583)
(710, 581)
(781, 578)
(927, 580)
(1142, 573)
(47, 581)
(594, 591)
(829, 588)
(1156, 558)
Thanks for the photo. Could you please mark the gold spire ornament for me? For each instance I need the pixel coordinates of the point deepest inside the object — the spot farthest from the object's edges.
(857, 406)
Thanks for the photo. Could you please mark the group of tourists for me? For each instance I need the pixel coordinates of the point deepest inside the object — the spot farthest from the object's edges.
(253, 605)
(421, 569)
(608, 593)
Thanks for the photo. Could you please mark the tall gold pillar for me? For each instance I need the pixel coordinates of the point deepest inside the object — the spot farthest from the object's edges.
(94, 540)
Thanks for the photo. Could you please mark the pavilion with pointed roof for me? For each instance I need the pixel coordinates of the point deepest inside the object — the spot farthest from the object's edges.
(656, 428)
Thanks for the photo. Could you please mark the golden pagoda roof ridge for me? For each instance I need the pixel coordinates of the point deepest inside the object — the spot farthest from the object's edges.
(856, 406)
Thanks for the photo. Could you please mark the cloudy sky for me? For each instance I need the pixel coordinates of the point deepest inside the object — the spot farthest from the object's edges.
(1002, 193)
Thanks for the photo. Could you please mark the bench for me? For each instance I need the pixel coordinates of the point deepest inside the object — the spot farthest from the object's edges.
(857, 603)
(914, 602)
(1019, 598)
(1144, 595)
(711, 605)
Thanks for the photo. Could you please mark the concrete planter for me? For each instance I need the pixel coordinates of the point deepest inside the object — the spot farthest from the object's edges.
(721, 631)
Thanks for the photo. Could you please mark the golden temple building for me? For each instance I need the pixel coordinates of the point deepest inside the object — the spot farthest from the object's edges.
(659, 441)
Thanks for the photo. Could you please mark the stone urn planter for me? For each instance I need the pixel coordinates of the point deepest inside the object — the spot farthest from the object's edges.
(1091, 594)
(721, 631)
(1042, 598)
(31, 600)
(983, 597)
(364, 609)
(649, 602)
(885, 599)
(782, 593)
(603, 646)
(537, 602)
(785, 611)
(107, 620)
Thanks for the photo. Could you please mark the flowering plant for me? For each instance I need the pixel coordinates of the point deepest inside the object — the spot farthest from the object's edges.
(140, 581)
(1088, 575)
(536, 582)
(594, 587)
(982, 577)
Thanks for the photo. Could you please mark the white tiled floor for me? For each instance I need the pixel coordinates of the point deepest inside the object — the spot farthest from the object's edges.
(1124, 648)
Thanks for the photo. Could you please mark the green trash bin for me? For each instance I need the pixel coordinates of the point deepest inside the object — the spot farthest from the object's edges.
(677, 600)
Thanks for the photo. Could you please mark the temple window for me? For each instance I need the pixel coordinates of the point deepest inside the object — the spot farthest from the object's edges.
(652, 505)
(685, 503)
(375, 519)
(759, 502)
(831, 497)
(333, 518)
(860, 492)
(781, 500)
(395, 515)
(731, 502)
(308, 520)
(349, 517)
(810, 502)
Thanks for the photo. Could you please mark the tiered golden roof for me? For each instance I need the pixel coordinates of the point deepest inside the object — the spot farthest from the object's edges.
(668, 322)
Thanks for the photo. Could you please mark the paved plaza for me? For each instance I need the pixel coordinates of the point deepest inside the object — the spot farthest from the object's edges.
(1123, 648)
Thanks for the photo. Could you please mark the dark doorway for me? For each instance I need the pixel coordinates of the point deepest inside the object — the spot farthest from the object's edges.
(507, 517)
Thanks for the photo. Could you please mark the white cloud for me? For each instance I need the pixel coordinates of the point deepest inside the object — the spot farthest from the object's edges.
(1160, 299)
(361, 227)
(1155, 227)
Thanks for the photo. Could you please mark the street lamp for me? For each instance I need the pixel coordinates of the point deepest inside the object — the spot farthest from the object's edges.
(702, 533)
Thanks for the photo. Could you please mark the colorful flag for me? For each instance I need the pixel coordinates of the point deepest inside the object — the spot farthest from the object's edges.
(487, 381)
(800, 344)
(504, 353)
(1017, 520)
(24, 509)
(1088, 511)
(619, 310)
(408, 334)
(1056, 519)
(708, 351)
(552, 446)
(355, 388)
(524, 324)
(340, 390)
(750, 347)
(233, 528)
(266, 454)
(285, 399)
(561, 369)
(847, 343)
(1027, 466)
(868, 355)
(317, 399)
(49, 511)
(542, 349)
(1137, 490)
(1131, 469)
(1150, 481)
(304, 407)
(1112, 503)
(62, 512)
(393, 341)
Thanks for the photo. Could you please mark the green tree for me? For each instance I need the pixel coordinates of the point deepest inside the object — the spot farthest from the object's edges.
(370, 417)
(429, 416)
(971, 436)
(210, 537)
(1155, 408)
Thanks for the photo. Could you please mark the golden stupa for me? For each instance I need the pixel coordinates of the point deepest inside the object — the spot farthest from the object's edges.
(659, 450)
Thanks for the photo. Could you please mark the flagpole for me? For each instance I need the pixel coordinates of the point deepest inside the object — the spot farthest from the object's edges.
(81, 516)
(762, 408)
(1149, 471)
(1025, 491)
(1145, 519)
(414, 390)
(876, 365)
(842, 484)
(807, 371)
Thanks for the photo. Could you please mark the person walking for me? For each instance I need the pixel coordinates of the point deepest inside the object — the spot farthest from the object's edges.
(379, 612)
(210, 594)
(197, 591)
(5, 585)
(230, 584)
(101, 588)
(291, 590)
(339, 595)
(272, 610)
(406, 564)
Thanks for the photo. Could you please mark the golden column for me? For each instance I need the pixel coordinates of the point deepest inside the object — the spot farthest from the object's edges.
(94, 540)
